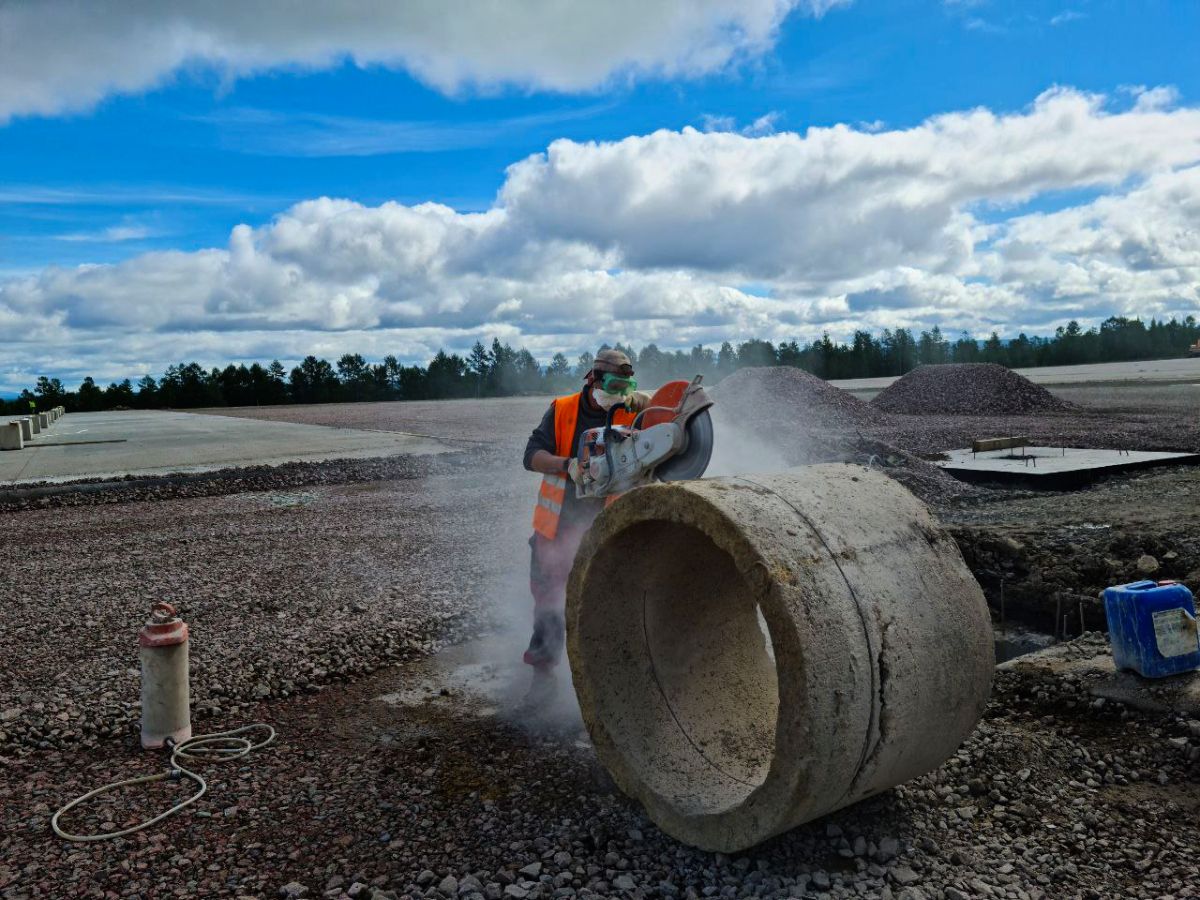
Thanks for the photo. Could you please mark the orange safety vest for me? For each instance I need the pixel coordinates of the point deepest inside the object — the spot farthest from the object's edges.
(553, 491)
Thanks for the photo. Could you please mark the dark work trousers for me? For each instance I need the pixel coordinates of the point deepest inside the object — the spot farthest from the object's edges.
(549, 567)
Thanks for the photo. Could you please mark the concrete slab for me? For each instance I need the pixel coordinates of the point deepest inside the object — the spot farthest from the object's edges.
(114, 444)
(1053, 468)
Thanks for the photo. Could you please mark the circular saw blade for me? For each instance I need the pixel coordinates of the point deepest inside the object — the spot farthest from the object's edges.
(693, 459)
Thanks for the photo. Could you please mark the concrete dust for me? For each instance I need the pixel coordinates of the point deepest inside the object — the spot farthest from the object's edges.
(740, 450)
(488, 672)
(486, 678)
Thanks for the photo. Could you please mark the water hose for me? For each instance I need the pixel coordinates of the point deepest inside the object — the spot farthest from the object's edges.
(221, 746)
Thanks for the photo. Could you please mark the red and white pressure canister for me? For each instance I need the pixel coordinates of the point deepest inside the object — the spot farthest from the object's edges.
(166, 707)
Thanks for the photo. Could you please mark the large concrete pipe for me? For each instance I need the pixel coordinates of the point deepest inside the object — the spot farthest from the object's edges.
(751, 653)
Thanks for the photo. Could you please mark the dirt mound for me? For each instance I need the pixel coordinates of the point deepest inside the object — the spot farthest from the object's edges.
(791, 398)
(966, 389)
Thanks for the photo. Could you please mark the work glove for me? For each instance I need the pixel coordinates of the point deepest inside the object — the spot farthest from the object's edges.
(636, 401)
(573, 470)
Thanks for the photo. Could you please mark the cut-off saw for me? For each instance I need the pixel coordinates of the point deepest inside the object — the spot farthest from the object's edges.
(670, 440)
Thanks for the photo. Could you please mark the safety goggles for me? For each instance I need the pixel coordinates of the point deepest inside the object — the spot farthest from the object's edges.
(612, 383)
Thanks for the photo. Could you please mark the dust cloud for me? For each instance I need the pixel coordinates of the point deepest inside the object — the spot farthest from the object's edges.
(492, 672)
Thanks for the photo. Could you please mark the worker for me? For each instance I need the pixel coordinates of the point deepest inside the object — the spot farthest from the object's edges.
(560, 518)
(33, 407)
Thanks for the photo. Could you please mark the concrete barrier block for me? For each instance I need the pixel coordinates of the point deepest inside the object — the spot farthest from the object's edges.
(44, 420)
(10, 436)
(35, 424)
(26, 429)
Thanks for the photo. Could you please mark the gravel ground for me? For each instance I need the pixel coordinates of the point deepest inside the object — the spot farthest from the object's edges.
(965, 389)
(1055, 795)
(285, 591)
(313, 591)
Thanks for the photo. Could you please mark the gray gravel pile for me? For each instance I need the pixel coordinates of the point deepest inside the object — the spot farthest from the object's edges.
(972, 389)
(791, 399)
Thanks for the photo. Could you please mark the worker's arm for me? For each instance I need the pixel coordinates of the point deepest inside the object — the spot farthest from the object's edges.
(540, 455)
(547, 463)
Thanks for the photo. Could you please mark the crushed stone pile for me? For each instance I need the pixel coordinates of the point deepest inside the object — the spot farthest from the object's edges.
(791, 398)
(802, 420)
(966, 389)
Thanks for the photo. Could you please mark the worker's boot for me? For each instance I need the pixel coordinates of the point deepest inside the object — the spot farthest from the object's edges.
(543, 654)
(543, 688)
(546, 644)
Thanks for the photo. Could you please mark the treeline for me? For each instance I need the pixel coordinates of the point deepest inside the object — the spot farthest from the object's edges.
(501, 371)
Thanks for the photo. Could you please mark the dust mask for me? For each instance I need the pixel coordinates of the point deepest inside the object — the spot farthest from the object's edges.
(605, 400)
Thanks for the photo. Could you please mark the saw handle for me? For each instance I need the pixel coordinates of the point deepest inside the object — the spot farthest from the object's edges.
(608, 436)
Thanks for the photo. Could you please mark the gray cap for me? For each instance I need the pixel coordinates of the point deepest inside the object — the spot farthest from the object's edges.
(612, 361)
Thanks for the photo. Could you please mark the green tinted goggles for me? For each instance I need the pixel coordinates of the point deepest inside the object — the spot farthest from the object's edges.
(611, 383)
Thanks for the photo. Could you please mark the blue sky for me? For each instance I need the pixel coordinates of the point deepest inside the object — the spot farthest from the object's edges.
(177, 161)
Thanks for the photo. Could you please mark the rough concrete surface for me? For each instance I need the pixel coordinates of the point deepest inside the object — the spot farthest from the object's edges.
(129, 442)
(876, 665)
(1029, 462)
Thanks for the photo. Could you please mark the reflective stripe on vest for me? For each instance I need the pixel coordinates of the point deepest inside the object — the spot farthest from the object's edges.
(553, 493)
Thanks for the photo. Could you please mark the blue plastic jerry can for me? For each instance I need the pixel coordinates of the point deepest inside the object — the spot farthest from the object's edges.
(1152, 627)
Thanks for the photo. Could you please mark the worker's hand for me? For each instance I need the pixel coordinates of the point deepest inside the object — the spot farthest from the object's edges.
(573, 470)
(637, 400)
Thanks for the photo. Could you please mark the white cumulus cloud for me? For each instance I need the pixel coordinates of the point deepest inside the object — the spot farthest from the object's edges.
(679, 237)
(63, 55)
